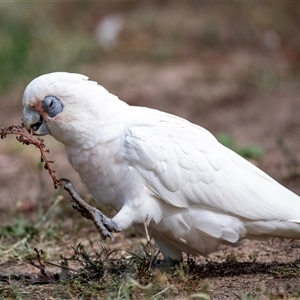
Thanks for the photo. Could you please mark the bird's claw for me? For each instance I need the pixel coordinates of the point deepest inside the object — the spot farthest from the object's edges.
(103, 224)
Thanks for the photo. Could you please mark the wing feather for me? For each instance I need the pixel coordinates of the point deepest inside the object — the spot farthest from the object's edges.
(184, 165)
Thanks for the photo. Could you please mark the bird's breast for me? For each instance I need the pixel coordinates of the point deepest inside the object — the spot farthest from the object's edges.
(104, 171)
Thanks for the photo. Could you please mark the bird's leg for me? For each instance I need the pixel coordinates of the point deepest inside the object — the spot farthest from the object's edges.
(103, 224)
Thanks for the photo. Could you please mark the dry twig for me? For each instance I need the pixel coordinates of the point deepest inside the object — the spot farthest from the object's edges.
(27, 139)
(103, 224)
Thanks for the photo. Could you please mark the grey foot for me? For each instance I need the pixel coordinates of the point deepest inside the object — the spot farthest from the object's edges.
(103, 224)
(165, 265)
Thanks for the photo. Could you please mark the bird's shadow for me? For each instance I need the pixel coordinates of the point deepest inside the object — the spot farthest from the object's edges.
(234, 268)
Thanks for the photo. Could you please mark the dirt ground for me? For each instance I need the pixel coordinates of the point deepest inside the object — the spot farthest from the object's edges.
(251, 94)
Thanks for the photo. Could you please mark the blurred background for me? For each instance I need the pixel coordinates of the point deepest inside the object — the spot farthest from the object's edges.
(233, 68)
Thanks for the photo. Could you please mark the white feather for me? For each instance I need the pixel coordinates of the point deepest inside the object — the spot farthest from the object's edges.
(151, 166)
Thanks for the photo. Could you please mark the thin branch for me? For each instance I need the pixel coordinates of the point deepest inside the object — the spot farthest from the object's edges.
(26, 138)
(103, 224)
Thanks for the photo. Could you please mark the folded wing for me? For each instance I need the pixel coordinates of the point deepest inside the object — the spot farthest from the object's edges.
(184, 165)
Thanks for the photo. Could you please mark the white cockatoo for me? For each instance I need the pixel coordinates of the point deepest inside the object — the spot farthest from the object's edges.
(158, 169)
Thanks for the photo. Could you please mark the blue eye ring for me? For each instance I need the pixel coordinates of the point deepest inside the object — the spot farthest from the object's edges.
(52, 106)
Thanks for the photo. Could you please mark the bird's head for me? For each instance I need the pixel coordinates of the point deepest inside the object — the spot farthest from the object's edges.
(64, 105)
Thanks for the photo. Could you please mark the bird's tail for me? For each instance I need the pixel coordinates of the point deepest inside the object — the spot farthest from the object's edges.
(284, 229)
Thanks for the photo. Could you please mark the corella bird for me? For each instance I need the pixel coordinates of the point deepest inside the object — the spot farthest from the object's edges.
(158, 169)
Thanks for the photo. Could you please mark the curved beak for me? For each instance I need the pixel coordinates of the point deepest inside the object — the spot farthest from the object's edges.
(34, 121)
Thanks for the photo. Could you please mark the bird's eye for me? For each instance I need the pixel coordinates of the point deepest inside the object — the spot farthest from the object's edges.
(52, 106)
(51, 103)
